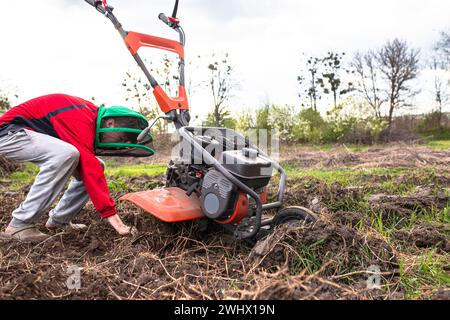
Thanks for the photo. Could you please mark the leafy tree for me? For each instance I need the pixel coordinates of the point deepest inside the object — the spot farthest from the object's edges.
(221, 84)
(308, 81)
(331, 80)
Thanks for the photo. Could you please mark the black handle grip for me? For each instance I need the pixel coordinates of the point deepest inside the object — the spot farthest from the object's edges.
(164, 18)
(98, 4)
(141, 137)
(94, 3)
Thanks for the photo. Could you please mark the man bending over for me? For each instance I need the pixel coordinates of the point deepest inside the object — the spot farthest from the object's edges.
(58, 133)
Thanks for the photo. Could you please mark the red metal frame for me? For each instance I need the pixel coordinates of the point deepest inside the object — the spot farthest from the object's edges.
(240, 212)
(263, 196)
(134, 41)
(167, 103)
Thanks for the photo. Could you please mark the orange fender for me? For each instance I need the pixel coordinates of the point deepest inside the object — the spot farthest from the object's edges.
(167, 204)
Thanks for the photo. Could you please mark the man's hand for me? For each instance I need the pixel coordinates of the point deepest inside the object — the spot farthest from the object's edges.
(120, 227)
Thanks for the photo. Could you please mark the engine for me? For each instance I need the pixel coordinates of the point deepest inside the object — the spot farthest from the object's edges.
(220, 199)
(218, 195)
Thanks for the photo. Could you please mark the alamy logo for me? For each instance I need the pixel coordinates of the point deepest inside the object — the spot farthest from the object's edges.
(374, 280)
(74, 280)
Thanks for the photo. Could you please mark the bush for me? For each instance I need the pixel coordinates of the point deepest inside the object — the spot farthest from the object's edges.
(283, 120)
(244, 122)
(342, 124)
(376, 126)
(222, 119)
(262, 118)
(310, 126)
(338, 125)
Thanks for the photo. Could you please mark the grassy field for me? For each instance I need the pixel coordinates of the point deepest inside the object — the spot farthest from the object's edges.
(439, 141)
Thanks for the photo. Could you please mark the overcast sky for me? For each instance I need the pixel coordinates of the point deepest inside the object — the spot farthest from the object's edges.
(65, 46)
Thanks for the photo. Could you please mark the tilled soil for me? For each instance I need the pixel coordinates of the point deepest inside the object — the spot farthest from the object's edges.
(328, 259)
(167, 262)
(394, 156)
(325, 260)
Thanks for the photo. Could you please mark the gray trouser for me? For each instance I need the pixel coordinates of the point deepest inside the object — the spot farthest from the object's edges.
(57, 161)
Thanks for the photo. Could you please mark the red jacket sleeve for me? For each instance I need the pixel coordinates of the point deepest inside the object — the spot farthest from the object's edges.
(81, 136)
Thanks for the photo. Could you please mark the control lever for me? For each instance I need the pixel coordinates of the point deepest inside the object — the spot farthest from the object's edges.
(164, 18)
(141, 137)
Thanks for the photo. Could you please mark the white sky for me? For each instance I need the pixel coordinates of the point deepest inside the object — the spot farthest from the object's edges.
(66, 46)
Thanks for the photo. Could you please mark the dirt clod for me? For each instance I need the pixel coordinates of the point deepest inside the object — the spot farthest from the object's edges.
(424, 237)
(404, 206)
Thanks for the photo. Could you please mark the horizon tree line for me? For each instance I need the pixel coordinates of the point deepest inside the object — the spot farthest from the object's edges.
(383, 78)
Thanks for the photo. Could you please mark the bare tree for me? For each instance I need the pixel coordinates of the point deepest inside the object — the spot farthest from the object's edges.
(441, 83)
(399, 65)
(221, 84)
(439, 64)
(193, 65)
(139, 92)
(366, 69)
(443, 46)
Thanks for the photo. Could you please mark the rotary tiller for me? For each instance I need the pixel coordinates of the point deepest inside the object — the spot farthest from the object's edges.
(219, 175)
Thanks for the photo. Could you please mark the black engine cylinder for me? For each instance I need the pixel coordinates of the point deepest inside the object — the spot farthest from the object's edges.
(218, 195)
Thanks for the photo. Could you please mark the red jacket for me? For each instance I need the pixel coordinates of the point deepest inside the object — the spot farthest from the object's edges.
(72, 120)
